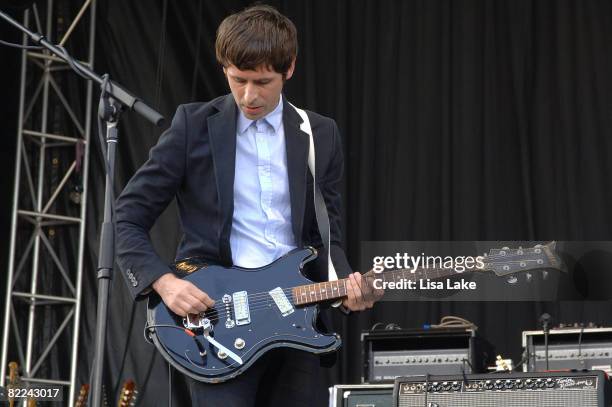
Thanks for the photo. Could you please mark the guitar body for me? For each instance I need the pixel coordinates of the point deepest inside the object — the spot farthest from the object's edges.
(267, 322)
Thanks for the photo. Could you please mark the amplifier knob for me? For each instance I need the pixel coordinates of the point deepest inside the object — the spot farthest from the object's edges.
(529, 383)
(519, 384)
(456, 386)
(446, 386)
(499, 384)
(488, 385)
(540, 384)
(509, 384)
(550, 382)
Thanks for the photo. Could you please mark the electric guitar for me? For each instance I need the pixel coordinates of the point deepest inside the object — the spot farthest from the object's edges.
(274, 306)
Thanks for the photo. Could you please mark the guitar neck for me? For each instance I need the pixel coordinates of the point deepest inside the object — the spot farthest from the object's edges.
(331, 290)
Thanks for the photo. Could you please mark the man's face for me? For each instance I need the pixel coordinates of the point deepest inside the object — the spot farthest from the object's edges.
(256, 91)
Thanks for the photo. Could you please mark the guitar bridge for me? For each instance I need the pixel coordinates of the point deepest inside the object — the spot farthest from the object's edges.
(200, 322)
(242, 314)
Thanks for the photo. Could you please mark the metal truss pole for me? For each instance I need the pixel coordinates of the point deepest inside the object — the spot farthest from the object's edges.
(35, 204)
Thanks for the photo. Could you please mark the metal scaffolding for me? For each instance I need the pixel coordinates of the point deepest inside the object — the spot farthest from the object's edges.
(43, 297)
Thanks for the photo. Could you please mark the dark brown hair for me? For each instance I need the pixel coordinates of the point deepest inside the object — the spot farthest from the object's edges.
(258, 35)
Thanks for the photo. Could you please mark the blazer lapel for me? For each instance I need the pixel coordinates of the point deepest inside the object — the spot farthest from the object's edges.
(297, 144)
(222, 133)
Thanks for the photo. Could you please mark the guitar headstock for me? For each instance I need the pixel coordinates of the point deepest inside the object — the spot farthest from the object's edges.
(13, 372)
(507, 261)
(127, 397)
(83, 394)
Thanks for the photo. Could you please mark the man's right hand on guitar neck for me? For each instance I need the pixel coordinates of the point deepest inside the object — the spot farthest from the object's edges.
(182, 297)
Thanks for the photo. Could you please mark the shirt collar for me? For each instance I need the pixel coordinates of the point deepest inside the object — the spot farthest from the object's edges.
(274, 118)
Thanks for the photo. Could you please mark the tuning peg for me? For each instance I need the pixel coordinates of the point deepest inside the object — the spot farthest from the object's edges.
(512, 280)
(528, 277)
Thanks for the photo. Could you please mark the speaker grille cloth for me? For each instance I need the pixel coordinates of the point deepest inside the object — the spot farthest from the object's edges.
(554, 398)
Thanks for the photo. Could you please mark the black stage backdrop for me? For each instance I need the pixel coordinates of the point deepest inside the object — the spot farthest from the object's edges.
(461, 120)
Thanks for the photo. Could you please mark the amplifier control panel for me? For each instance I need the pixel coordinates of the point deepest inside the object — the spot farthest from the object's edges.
(501, 384)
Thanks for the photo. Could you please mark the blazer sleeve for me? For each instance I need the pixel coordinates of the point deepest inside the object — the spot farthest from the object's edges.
(144, 198)
(330, 188)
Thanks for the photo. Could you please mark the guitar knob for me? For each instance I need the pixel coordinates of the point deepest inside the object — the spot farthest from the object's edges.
(512, 279)
(222, 355)
(239, 343)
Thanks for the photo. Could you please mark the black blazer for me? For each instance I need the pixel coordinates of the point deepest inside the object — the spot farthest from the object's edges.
(194, 161)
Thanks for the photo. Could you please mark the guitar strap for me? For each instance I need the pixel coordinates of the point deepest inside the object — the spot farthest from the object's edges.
(319, 202)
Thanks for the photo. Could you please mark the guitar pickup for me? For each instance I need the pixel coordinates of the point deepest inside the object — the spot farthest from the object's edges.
(282, 302)
(242, 315)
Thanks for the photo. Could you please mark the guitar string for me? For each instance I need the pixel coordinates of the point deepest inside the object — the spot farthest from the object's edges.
(258, 295)
(224, 314)
(423, 270)
(263, 299)
(264, 303)
(258, 303)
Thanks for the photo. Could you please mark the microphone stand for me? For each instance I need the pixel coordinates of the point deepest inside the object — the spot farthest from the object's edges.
(113, 100)
(545, 320)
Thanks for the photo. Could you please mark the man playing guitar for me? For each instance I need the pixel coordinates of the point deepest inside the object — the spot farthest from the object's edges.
(237, 166)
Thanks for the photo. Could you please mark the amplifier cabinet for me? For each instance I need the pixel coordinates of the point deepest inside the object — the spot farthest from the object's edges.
(569, 348)
(389, 354)
(361, 395)
(558, 389)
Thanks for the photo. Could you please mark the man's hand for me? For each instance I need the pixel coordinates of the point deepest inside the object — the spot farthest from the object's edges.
(182, 297)
(361, 294)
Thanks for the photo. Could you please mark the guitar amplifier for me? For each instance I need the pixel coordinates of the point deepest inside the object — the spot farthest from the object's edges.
(569, 348)
(387, 354)
(361, 395)
(554, 389)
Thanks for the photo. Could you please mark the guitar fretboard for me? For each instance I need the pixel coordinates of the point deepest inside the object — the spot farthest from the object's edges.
(331, 290)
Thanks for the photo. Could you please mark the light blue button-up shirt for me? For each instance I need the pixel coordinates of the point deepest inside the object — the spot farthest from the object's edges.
(261, 228)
